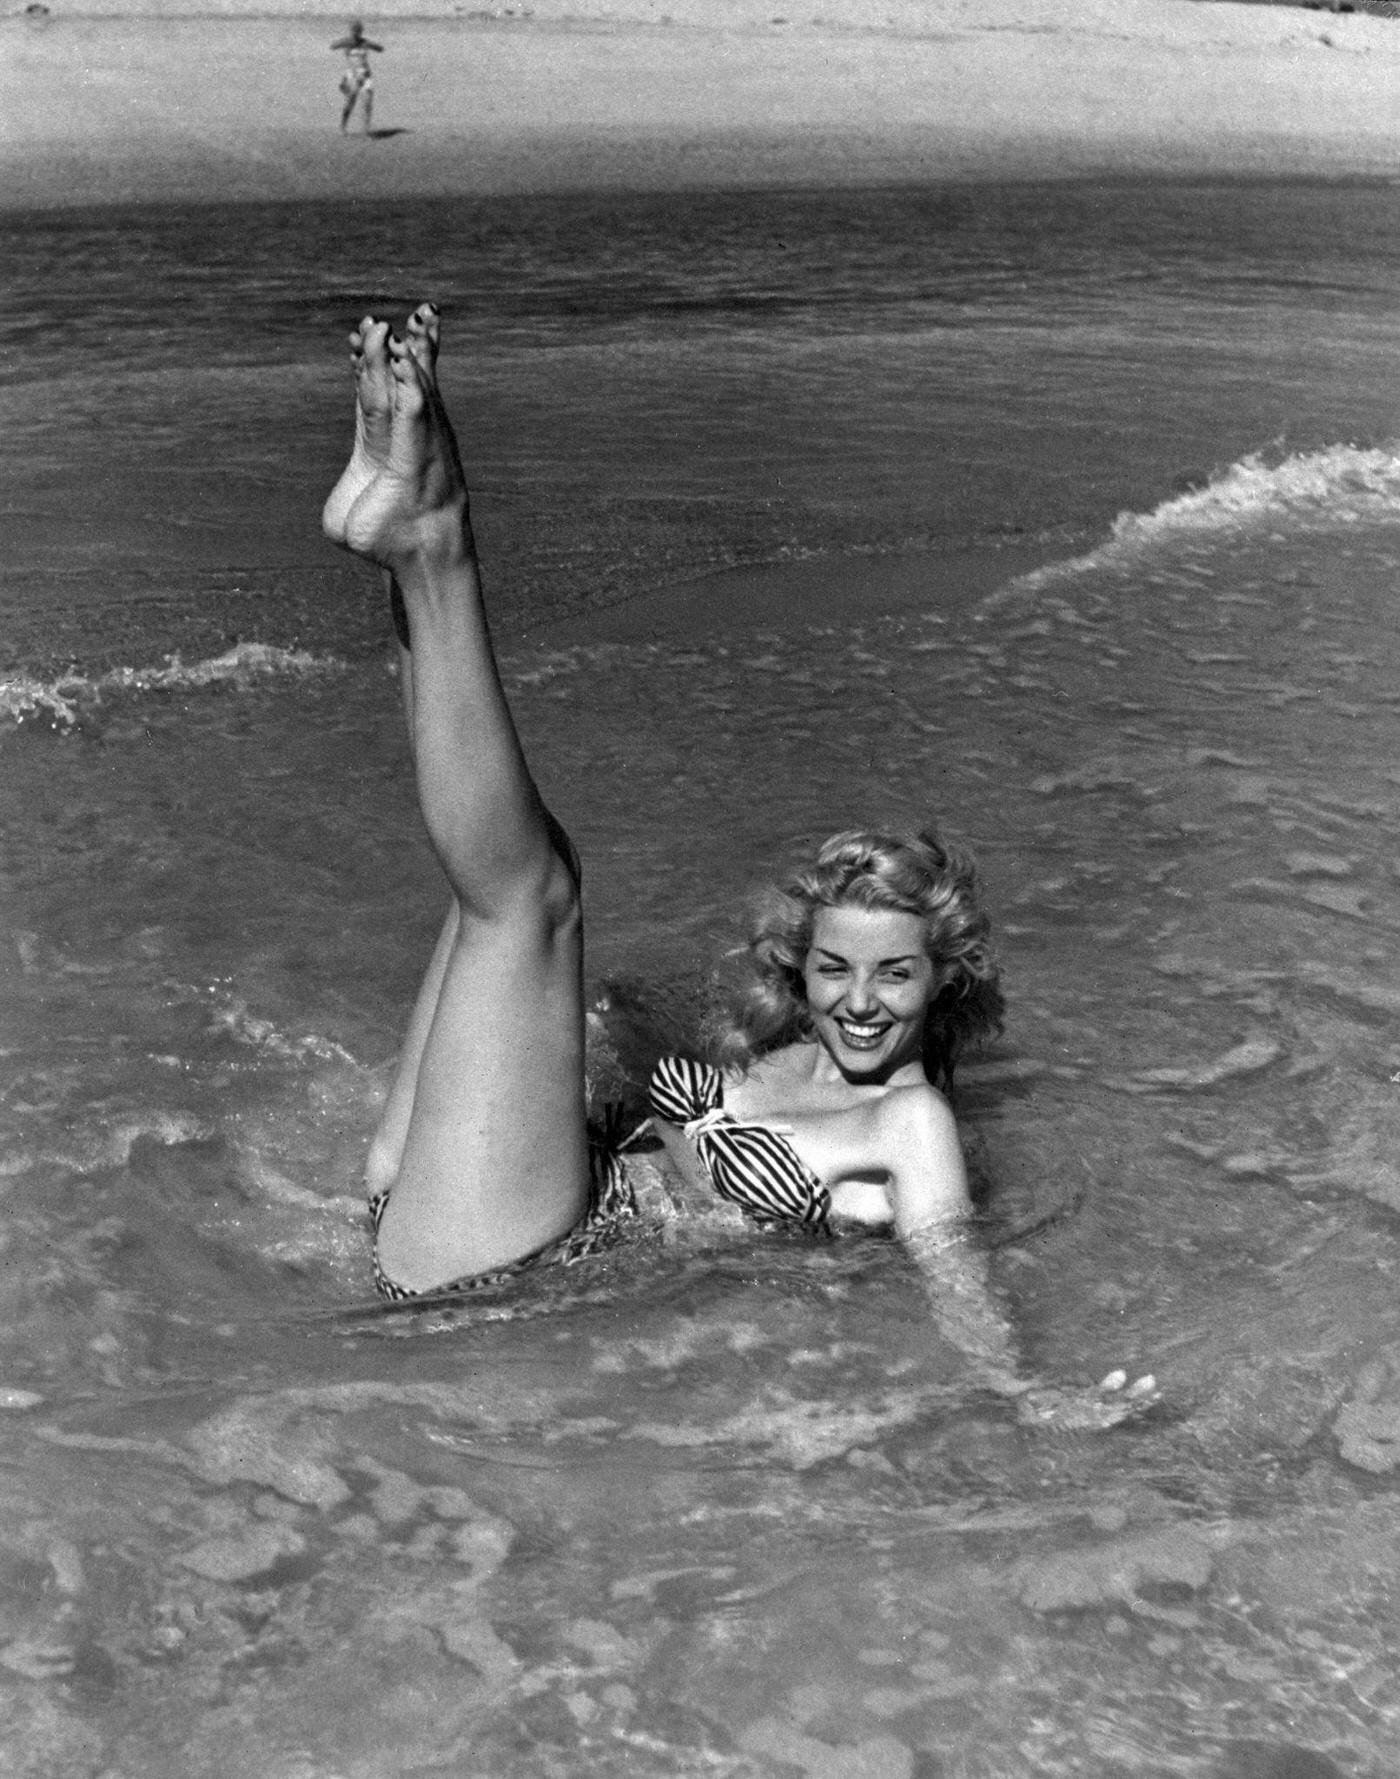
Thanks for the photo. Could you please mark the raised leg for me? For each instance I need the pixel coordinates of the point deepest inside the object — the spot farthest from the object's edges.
(483, 1144)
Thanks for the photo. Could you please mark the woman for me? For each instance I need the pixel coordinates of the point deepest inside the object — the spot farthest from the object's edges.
(870, 970)
(482, 1162)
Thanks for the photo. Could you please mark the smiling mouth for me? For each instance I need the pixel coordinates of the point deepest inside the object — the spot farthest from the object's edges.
(861, 1037)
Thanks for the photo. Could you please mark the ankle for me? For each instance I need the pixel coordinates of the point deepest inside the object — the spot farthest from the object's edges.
(441, 543)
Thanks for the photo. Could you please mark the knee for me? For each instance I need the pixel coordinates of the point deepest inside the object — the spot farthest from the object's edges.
(541, 900)
(382, 1163)
(563, 892)
(551, 904)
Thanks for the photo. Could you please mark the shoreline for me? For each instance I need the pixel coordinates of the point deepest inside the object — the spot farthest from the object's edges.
(101, 108)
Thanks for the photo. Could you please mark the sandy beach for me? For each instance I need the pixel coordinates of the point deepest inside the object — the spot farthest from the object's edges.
(239, 103)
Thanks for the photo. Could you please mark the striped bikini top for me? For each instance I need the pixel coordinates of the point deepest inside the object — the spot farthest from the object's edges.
(752, 1165)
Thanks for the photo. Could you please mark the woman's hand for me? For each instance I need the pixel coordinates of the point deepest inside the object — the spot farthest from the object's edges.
(969, 1314)
(1056, 1410)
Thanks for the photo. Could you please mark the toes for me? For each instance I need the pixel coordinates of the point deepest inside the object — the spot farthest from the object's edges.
(370, 363)
(373, 336)
(403, 361)
(422, 334)
(424, 330)
(412, 391)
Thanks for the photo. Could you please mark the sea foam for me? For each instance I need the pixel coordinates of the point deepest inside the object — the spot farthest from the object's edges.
(1341, 484)
(59, 703)
(1337, 486)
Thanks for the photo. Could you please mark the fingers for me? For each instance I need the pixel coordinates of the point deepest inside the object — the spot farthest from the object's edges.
(1111, 1402)
(1140, 1388)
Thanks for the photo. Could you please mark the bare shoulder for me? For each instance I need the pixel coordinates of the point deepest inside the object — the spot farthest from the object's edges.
(774, 1065)
(921, 1092)
(770, 1084)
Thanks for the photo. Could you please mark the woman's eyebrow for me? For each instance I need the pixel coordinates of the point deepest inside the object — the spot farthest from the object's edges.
(905, 957)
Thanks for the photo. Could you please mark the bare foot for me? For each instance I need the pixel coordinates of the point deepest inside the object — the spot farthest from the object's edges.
(374, 408)
(403, 491)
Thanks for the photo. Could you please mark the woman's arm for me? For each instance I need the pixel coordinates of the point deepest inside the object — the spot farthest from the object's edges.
(932, 1209)
(932, 1216)
(956, 1278)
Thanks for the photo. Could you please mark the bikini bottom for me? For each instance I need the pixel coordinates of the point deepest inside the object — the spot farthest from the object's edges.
(611, 1207)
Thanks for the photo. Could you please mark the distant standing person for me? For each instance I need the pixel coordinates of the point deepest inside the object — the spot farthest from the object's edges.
(358, 76)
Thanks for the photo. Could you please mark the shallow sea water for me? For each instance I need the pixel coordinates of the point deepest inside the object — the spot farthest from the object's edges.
(718, 1503)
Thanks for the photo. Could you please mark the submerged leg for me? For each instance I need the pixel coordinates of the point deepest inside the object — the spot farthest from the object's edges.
(483, 1142)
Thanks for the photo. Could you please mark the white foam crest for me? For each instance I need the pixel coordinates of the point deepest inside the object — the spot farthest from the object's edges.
(1340, 485)
(244, 662)
(58, 703)
(24, 699)
(231, 1015)
(110, 1145)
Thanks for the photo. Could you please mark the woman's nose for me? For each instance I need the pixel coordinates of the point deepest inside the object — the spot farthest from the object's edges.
(860, 996)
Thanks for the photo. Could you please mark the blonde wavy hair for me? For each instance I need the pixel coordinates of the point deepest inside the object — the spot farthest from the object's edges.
(910, 873)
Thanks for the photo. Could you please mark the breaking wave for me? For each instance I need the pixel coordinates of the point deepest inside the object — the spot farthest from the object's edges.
(59, 703)
(1341, 485)
(1338, 486)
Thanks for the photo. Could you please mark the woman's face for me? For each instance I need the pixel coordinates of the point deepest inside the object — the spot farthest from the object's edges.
(869, 983)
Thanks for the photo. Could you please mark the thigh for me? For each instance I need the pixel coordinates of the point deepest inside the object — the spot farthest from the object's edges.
(495, 1162)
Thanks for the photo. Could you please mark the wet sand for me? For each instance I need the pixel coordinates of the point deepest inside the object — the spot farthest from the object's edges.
(566, 94)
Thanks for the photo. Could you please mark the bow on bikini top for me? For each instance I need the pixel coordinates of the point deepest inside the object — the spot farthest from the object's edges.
(752, 1165)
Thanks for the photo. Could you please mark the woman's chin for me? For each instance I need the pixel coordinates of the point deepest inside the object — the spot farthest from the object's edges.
(859, 1064)
(862, 1062)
